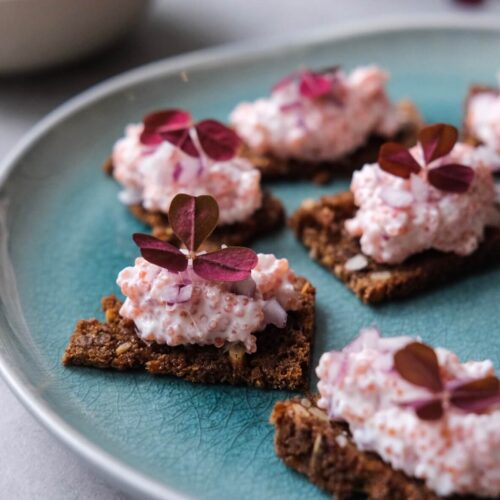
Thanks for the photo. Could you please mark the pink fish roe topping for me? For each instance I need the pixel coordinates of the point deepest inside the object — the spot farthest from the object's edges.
(456, 454)
(154, 175)
(287, 124)
(400, 217)
(213, 314)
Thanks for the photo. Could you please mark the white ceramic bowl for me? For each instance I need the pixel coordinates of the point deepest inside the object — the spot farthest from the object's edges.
(35, 34)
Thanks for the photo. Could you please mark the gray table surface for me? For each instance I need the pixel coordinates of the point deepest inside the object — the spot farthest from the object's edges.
(33, 464)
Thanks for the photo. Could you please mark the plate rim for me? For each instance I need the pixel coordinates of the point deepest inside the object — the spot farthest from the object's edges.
(125, 477)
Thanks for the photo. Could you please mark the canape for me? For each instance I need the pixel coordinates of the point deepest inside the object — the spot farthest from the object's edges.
(318, 124)
(395, 419)
(482, 122)
(227, 316)
(417, 218)
(169, 153)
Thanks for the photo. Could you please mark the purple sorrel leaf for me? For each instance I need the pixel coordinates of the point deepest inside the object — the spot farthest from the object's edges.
(219, 142)
(161, 253)
(476, 396)
(163, 121)
(426, 409)
(417, 363)
(437, 140)
(452, 178)
(193, 218)
(182, 139)
(431, 410)
(397, 160)
(314, 85)
(228, 264)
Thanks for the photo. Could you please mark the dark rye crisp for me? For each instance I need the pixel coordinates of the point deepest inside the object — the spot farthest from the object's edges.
(281, 361)
(320, 227)
(274, 168)
(468, 135)
(308, 442)
(268, 218)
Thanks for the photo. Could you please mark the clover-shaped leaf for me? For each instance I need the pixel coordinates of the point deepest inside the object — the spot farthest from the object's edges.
(436, 141)
(182, 139)
(311, 84)
(397, 160)
(227, 264)
(161, 253)
(193, 219)
(314, 85)
(453, 178)
(162, 122)
(417, 363)
(430, 410)
(477, 395)
(217, 141)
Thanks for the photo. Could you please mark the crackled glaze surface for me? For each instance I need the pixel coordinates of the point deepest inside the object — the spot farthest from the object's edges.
(69, 237)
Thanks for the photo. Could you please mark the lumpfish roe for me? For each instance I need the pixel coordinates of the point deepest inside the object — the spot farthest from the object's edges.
(214, 313)
(400, 217)
(152, 176)
(458, 454)
(289, 125)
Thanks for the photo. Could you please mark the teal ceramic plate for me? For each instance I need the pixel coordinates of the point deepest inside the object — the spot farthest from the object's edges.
(64, 237)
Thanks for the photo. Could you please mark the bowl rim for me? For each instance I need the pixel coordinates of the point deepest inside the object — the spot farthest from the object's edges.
(123, 476)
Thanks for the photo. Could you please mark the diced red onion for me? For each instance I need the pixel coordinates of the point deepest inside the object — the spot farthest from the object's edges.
(177, 294)
(246, 287)
(185, 293)
(177, 171)
(342, 365)
(190, 170)
(396, 198)
(290, 106)
(170, 294)
(301, 122)
(275, 314)
(147, 150)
